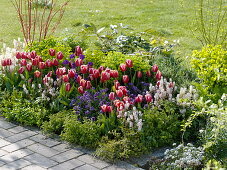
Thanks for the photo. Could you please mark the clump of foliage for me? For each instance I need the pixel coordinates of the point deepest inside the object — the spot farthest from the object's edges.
(210, 65)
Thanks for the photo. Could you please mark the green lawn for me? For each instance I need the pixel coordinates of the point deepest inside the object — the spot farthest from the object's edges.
(162, 15)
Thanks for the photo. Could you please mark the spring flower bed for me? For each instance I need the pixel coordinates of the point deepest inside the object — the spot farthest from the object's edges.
(120, 105)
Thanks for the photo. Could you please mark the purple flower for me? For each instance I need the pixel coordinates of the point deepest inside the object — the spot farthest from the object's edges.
(82, 56)
(72, 56)
(65, 62)
(90, 64)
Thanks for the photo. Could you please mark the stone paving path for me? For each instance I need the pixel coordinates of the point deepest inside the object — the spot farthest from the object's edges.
(24, 148)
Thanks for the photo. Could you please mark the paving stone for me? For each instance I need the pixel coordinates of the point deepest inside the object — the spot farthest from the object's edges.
(33, 167)
(62, 157)
(6, 125)
(20, 163)
(93, 161)
(45, 141)
(21, 136)
(18, 145)
(62, 147)
(17, 129)
(86, 167)
(3, 143)
(43, 150)
(40, 160)
(5, 133)
(2, 153)
(13, 156)
(71, 164)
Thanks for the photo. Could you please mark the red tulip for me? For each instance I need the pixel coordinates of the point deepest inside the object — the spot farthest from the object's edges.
(158, 75)
(119, 93)
(67, 87)
(139, 99)
(4, 63)
(37, 73)
(96, 73)
(59, 72)
(65, 78)
(71, 73)
(45, 80)
(52, 52)
(148, 98)
(123, 67)
(83, 69)
(49, 63)
(78, 79)
(33, 54)
(101, 68)
(39, 58)
(125, 79)
(116, 84)
(78, 51)
(88, 86)
(23, 62)
(104, 108)
(55, 62)
(49, 74)
(119, 104)
(112, 96)
(35, 62)
(109, 109)
(91, 70)
(21, 70)
(154, 68)
(105, 76)
(18, 55)
(129, 63)
(124, 89)
(60, 55)
(42, 65)
(24, 55)
(114, 73)
(83, 83)
(126, 99)
(8, 61)
(78, 62)
(148, 73)
(107, 70)
(81, 90)
(29, 67)
(139, 74)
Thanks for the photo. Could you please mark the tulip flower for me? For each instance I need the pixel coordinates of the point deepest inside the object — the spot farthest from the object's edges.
(39, 58)
(33, 54)
(104, 108)
(126, 99)
(83, 69)
(107, 70)
(81, 90)
(101, 68)
(96, 73)
(139, 99)
(124, 89)
(139, 74)
(125, 79)
(55, 62)
(42, 65)
(23, 62)
(123, 67)
(114, 73)
(119, 93)
(119, 104)
(37, 73)
(78, 79)
(4, 63)
(105, 76)
(18, 55)
(8, 61)
(158, 75)
(148, 98)
(49, 74)
(67, 87)
(109, 109)
(24, 55)
(88, 86)
(52, 52)
(112, 96)
(78, 62)
(91, 70)
(29, 67)
(71, 73)
(45, 80)
(83, 83)
(35, 62)
(78, 51)
(21, 70)
(148, 73)
(154, 68)
(116, 84)
(65, 78)
(49, 63)
(60, 55)
(129, 63)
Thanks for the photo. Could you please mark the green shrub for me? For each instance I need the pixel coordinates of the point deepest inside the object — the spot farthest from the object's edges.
(86, 133)
(42, 48)
(15, 108)
(210, 64)
(56, 122)
(161, 126)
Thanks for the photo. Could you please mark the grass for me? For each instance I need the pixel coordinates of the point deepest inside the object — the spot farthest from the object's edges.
(166, 16)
